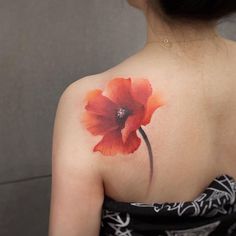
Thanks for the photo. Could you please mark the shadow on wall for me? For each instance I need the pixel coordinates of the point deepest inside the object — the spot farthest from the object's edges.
(46, 45)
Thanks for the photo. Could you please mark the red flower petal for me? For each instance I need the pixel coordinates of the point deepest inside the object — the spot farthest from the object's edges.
(112, 143)
(154, 101)
(119, 91)
(98, 125)
(99, 104)
(132, 143)
(141, 90)
(132, 123)
(119, 136)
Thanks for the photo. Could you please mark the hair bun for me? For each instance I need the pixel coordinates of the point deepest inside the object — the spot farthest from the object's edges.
(196, 9)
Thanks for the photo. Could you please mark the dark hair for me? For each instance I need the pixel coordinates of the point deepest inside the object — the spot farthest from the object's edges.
(203, 10)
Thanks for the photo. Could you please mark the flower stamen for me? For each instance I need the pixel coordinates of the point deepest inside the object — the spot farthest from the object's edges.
(122, 114)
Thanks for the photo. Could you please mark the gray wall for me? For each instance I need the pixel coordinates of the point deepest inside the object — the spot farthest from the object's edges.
(44, 46)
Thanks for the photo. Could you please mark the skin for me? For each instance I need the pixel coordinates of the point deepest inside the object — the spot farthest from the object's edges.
(193, 138)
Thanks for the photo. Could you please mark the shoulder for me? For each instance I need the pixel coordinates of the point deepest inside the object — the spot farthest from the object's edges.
(71, 101)
(69, 134)
(77, 89)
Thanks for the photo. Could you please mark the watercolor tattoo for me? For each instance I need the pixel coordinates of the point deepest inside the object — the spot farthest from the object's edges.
(118, 112)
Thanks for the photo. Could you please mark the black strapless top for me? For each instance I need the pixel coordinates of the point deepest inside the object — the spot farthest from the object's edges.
(213, 213)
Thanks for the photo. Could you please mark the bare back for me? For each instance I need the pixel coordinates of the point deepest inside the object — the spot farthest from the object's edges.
(193, 136)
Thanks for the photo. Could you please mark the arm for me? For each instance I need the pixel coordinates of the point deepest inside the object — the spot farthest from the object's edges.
(77, 188)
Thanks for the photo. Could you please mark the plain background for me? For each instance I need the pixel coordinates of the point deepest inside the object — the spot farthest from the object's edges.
(44, 46)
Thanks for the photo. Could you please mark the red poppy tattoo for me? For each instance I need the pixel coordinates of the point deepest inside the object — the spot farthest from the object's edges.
(118, 112)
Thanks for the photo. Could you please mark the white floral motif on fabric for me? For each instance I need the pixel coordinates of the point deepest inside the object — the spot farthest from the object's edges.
(214, 201)
(132, 219)
(118, 223)
(199, 231)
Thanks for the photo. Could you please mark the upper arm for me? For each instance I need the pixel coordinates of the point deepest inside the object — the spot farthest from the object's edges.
(77, 189)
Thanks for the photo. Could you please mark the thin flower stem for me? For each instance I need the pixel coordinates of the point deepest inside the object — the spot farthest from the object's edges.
(149, 152)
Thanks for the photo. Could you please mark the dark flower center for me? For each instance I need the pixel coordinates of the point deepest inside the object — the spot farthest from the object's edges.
(122, 114)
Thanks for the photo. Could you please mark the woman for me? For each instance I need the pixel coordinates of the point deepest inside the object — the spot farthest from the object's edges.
(148, 148)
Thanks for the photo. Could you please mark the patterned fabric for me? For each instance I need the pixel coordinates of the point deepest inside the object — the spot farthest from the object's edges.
(213, 212)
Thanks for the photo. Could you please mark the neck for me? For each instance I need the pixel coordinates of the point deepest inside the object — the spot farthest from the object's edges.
(188, 38)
